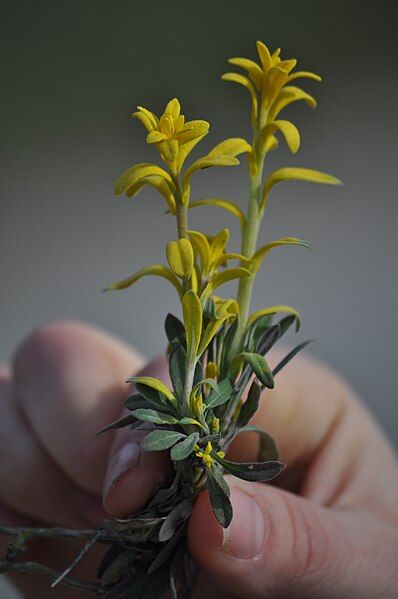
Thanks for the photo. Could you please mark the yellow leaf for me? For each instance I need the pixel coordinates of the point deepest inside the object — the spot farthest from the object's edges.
(147, 118)
(224, 258)
(180, 257)
(159, 183)
(274, 310)
(205, 162)
(193, 316)
(288, 130)
(168, 149)
(259, 256)
(186, 149)
(173, 109)
(264, 55)
(218, 244)
(230, 147)
(157, 270)
(192, 130)
(149, 381)
(137, 172)
(287, 65)
(226, 205)
(223, 277)
(254, 70)
(155, 137)
(289, 94)
(306, 74)
(202, 248)
(298, 174)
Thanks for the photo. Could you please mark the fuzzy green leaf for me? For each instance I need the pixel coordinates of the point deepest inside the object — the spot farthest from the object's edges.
(192, 311)
(258, 364)
(174, 329)
(183, 449)
(291, 355)
(177, 369)
(135, 401)
(251, 471)
(153, 383)
(121, 423)
(154, 416)
(219, 396)
(268, 450)
(220, 503)
(161, 439)
(250, 406)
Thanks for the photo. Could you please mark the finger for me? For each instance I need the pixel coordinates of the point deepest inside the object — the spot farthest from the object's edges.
(133, 474)
(326, 437)
(69, 383)
(281, 545)
(31, 484)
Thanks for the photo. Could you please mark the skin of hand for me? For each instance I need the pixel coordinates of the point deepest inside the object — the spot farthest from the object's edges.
(327, 528)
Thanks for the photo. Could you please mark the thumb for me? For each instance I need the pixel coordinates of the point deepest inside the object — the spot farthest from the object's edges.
(280, 545)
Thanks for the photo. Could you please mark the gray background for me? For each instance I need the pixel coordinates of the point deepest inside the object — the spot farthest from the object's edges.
(72, 72)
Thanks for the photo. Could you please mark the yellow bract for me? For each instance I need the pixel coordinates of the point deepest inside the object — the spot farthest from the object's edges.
(193, 316)
(180, 257)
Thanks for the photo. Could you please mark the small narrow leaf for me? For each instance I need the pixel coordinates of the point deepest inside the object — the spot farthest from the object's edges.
(259, 365)
(158, 270)
(297, 174)
(122, 422)
(252, 471)
(224, 277)
(261, 253)
(268, 450)
(220, 503)
(174, 329)
(154, 416)
(275, 310)
(226, 205)
(161, 439)
(290, 355)
(177, 369)
(150, 381)
(183, 449)
(219, 396)
(250, 406)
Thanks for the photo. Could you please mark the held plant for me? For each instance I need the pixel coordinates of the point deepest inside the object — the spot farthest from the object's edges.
(217, 350)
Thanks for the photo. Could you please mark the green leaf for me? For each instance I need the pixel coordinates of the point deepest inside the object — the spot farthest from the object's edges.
(192, 311)
(154, 416)
(211, 330)
(216, 471)
(183, 449)
(220, 503)
(211, 382)
(251, 471)
(255, 330)
(161, 439)
(153, 383)
(250, 406)
(290, 355)
(174, 328)
(219, 396)
(121, 423)
(135, 401)
(153, 397)
(275, 310)
(268, 450)
(177, 369)
(258, 364)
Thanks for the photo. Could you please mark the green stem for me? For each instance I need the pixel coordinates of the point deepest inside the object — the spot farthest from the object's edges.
(249, 244)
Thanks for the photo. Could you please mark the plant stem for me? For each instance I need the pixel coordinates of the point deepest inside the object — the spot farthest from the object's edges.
(249, 244)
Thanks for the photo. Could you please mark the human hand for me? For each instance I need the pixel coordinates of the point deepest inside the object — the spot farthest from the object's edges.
(338, 540)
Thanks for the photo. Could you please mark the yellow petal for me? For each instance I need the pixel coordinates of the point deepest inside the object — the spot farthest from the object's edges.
(191, 130)
(156, 269)
(224, 277)
(287, 65)
(264, 56)
(169, 150)
(298, 174)
(273, 83)
(150, 381)
(224, 258)
(159, 183)
(192, 313)
(137, 172)
(288, 130)
(227, 205)
(218, 244)
(275, 57)
(173, 109)
(305, 74)
(150, 115)
(258, 257)
(289, 94)
(155, 137)
(274, 310)
(185, 149)
(202, 248)
(180, 257)
(255, 72)
(145, 120)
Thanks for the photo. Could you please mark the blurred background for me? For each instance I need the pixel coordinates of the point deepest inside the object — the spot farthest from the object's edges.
(72, 73)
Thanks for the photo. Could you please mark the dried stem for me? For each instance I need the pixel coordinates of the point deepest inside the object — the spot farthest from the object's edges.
(35, 568)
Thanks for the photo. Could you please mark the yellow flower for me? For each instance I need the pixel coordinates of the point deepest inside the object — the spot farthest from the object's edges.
(173, 137)
(268, 84)
(205, 455)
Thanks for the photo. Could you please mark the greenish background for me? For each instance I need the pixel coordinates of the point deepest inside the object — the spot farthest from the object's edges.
(73, 71)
